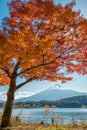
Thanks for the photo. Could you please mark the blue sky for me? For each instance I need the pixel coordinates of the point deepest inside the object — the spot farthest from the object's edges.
(79, 83)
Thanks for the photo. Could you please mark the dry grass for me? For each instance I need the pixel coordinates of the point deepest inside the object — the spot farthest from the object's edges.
(18, 125)
(43, 127)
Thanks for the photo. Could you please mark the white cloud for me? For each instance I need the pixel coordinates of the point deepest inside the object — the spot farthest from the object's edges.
(18, 95)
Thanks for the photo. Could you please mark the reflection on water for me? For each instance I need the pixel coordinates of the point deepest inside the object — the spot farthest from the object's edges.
(38, 114)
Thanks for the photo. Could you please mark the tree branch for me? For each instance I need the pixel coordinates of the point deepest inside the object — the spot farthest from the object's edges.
(6, 69)
(69, 50)
(16, 68)
(25, 82)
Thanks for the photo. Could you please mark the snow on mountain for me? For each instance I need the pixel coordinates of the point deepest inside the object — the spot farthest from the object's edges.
(53, 93)
(56, 87)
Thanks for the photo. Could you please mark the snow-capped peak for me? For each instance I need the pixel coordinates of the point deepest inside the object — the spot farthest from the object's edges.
(56, 87)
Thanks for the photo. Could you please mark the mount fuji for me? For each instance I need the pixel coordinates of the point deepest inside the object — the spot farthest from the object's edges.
(52, 94)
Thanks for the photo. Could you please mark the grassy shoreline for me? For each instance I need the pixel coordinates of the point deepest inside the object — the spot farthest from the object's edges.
(19, 125)
(43, 127)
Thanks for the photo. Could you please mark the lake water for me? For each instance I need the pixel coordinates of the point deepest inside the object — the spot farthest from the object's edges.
(37, 115)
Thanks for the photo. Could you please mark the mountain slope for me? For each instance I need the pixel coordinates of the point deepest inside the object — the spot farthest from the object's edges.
(52, 94)
(73, 102)
(76, 99)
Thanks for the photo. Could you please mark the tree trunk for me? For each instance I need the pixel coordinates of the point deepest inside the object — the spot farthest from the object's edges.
(8, 107)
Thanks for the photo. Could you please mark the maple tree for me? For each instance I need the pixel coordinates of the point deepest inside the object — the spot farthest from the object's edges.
(40, 41)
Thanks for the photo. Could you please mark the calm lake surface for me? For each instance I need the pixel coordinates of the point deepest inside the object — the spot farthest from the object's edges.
(37, 115)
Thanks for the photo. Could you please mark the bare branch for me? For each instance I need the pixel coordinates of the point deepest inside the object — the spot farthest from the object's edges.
(16, 68)
(25, 82)
(6, 69)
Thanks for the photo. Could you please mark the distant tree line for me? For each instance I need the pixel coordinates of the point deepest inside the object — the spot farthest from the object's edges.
(39, 104)
(74, 102)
